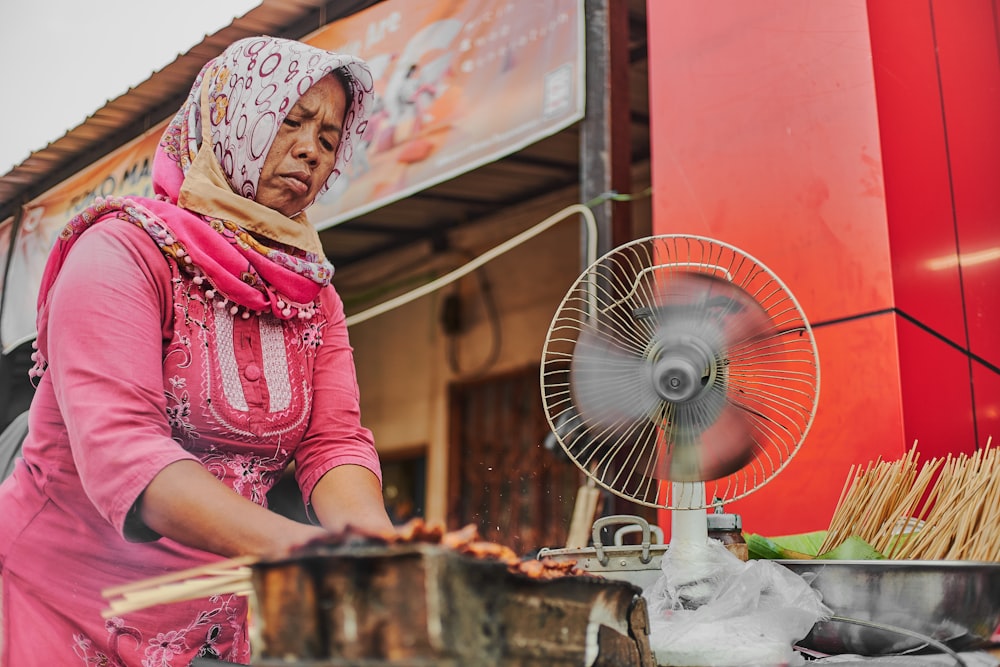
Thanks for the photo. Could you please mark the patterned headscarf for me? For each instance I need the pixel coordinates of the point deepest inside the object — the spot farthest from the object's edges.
(249, 89)
(205, 175)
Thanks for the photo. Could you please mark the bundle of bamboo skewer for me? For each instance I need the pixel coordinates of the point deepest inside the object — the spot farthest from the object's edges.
(947, 508)
(230, 576)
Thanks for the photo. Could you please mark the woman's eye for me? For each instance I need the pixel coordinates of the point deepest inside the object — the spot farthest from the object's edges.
(290, 122)
(326, 143)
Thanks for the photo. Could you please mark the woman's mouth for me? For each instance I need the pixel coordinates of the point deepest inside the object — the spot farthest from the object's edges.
(298, 183)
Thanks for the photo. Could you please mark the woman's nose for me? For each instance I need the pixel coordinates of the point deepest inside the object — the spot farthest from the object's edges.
(306, 147)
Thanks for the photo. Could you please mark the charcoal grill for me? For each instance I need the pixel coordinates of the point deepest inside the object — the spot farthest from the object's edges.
(424, 604)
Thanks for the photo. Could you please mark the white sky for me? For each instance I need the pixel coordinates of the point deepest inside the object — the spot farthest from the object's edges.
(61, 60)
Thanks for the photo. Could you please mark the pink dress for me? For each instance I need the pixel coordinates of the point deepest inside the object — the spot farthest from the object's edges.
(144, 371)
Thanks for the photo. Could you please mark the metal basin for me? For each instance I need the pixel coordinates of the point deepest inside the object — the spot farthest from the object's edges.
(956, 603)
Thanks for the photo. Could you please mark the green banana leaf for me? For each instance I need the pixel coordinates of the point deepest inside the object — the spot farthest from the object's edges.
(805, 546)
(800, 546)
(853, 548)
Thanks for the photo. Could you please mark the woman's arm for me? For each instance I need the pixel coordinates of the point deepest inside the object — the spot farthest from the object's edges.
(351, 495)
(174, 505)
(337, 466)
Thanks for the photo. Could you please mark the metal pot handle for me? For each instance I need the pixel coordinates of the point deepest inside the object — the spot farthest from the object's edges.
(655, 532)
(630, 519)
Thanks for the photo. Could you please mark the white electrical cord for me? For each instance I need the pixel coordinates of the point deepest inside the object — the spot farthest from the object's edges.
(452, 276)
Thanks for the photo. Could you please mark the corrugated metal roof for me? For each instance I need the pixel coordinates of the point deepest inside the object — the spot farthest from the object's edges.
(144, 105)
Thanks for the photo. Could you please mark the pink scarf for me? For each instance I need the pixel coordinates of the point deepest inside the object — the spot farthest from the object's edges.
(249, 89)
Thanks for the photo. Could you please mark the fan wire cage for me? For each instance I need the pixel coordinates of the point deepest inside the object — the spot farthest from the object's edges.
(678, 358)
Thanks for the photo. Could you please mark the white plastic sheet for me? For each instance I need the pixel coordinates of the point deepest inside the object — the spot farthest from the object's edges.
(710, 609)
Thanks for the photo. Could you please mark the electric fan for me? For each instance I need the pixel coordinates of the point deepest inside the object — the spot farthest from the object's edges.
(679, 372)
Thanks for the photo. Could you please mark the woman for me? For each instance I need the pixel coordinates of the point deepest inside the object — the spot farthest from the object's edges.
(189, 348)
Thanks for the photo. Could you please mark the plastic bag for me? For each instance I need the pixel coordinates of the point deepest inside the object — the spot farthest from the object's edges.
(708, 608)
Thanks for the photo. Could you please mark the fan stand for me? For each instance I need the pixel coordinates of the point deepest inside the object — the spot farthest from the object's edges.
(688, 526)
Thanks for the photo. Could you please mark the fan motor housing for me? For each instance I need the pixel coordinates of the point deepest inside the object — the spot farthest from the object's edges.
(682, 371)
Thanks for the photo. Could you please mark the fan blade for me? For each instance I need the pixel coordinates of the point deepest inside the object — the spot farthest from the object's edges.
(610, 384)
(696, 452)
(722, 314)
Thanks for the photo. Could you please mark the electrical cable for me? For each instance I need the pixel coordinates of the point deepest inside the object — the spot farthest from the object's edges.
(450, 277)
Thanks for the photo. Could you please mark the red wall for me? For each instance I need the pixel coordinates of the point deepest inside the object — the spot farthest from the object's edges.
(937, 72)
(818, 136)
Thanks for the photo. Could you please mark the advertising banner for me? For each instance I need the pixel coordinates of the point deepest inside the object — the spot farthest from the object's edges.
(127, 171)
(460, 83)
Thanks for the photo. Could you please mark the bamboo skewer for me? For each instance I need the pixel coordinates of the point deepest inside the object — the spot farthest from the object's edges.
(180, 575)
(179, 592)
(985, 541)
(945, 509)
(908, 510)
(225, 577)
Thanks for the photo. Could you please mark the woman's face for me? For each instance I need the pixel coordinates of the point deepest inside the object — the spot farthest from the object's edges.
(304, 152)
